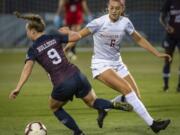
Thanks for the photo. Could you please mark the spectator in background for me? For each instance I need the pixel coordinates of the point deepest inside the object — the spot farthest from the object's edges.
(72, 12)
(170, 20)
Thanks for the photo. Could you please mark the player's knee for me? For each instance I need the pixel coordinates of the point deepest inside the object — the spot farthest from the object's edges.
(126, 89)
(90, 101)
(53, 107)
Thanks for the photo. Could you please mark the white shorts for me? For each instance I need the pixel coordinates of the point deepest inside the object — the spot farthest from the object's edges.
(98, 66)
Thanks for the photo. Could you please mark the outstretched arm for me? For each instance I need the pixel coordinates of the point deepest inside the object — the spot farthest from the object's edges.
(26, 72)
(74, 36)
(145, 44)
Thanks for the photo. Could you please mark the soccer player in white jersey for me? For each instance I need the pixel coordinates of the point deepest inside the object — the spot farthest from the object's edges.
(107, 65)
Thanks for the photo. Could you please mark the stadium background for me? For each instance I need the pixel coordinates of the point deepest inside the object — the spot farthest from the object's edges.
(32, 103)
(143, 13)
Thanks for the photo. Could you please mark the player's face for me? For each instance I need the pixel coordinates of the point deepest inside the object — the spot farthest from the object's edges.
(29, 33)
(115, 10)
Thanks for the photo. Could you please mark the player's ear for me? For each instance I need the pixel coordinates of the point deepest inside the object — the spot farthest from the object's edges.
(33, 31)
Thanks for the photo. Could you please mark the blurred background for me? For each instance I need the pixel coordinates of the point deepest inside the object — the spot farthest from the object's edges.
(143, 13)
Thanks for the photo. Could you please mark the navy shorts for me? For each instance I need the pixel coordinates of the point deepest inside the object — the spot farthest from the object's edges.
(77, 85)
(170, 44)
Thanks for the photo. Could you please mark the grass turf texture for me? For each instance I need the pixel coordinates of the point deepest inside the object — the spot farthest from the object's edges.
(32, 103)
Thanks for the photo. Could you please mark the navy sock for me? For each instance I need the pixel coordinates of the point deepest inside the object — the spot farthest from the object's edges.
(166, 71)
(101, 104)
(179, 78)
(67, 120)
(166, 81)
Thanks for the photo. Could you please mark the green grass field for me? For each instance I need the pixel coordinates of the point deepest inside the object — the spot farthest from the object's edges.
(32, 103)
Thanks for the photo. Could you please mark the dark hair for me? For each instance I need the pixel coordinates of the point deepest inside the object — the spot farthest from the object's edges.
(34, 21)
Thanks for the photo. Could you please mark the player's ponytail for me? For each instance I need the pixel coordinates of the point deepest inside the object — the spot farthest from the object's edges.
(35, 21)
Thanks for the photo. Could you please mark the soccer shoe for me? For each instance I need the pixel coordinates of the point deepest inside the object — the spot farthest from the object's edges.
(100, 119)
(124, 106)
(178, 88)
(78, 133)
(165, 88)
(116, 105)
(159, 125)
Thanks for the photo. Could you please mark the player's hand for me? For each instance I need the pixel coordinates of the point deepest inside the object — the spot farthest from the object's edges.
(66, 49)
(16, 13)
(14, 94)
(169, 29)
(164, 55)
(64, 30)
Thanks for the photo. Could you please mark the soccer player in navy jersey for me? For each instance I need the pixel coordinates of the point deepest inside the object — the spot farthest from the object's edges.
(66, 78)
(170, 20)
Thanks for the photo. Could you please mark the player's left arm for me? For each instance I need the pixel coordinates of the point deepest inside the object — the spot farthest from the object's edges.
(26, 72)
(140, 40)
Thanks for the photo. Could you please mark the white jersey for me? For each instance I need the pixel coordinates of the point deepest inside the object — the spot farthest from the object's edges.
(107, 36)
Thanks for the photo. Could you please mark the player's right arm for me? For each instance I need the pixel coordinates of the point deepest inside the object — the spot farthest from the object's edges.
(26, 72)
(75, 36)
(90, 28)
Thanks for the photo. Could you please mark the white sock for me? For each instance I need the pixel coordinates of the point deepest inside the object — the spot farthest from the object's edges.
(139, 108)
(117, 99)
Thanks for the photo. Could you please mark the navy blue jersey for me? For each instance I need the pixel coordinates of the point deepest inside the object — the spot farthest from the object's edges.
(48, 52)
(171, 9)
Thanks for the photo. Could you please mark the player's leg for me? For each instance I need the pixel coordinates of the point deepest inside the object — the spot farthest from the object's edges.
(112, 79)
(169, 46)
(178, 86)
(88, 95)
(59, 96)
(100, 104)
(123, 72)
(57, 108)
(129, 78)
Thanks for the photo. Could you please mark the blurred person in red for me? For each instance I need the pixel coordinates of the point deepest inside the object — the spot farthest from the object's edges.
(72, 12)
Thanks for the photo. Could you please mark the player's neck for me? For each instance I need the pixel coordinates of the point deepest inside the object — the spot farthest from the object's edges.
(113, 20)
(38, 35)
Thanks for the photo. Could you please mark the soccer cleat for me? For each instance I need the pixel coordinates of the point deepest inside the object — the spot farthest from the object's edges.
(78, 133)
(165, 88)
(116, 105)
(101, 115)
(124, 106)
(159, 125)
(178, 88)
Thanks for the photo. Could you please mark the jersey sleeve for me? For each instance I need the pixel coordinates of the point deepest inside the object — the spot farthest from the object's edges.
(30, 55)
(166, 7)
(129, 27)
(61, 38)
(93, 26)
